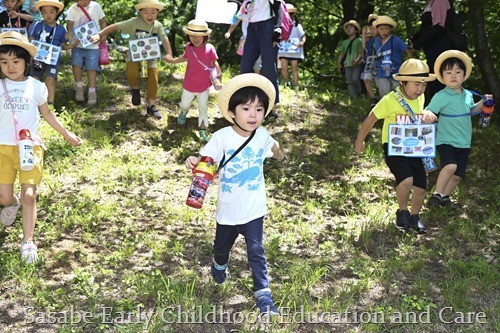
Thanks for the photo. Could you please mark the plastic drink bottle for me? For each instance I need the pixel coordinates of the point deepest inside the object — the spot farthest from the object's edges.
(25, 145)
(215, 80)
(144, 69)
(203, 175)
(486, 111)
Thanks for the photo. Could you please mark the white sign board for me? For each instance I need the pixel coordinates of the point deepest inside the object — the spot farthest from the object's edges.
(216, 11)
(412, 140)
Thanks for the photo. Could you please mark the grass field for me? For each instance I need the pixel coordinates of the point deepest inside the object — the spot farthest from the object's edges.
(121, 252)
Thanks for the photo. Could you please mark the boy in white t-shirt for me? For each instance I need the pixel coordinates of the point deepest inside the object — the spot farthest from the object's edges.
(241, 206)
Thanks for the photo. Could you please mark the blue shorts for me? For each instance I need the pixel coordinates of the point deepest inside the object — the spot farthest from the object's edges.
(88, 59)
(451, 155)
(47, 70)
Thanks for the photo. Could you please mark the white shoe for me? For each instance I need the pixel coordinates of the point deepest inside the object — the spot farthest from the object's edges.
(9, 213)
(92, 98)
(29, 252)
(79, 94)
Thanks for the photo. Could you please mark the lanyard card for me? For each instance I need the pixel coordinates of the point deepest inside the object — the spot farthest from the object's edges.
(412, 140)
(144, 49)
(22, 31)
(47, 53)
(85, 32)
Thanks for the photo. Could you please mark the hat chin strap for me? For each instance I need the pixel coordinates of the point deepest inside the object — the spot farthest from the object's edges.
(241, 128)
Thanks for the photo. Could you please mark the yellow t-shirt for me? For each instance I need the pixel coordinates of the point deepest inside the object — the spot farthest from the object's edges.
(392, 112)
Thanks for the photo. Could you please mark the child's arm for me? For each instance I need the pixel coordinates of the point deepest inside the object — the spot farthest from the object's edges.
(52, 120)
(177, 60)
(231, 29)
(26, 17)
(366, 127)
(103, 34)
(429, 117)
(192, 162)
(168, 49)
(479, 105)
(409, 55)
(217, 67)
(340, 61)
(277, 153)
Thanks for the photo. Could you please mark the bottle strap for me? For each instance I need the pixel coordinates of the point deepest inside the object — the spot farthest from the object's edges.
(467, 114)
(6, 93)
(223, 162)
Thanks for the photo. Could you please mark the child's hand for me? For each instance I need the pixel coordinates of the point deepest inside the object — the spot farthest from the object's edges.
(168, 58)
(191, 162)
(74, 140)
(13, 14)
(227, 35)
(429, 117)
(359, 146)
(95, 38)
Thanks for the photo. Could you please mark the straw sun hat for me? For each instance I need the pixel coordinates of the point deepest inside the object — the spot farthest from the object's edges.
(15, 38)
(353, 23)
(290, 8)
(149, 4)
(53, 3)
(452, 54)
(242, 81)
(414, 70)
(197, 28)
(384, 19)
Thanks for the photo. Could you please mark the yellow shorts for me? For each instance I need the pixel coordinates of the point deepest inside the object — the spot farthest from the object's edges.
(10, 166)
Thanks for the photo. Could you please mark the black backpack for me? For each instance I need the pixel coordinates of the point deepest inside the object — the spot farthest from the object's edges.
(455, 30)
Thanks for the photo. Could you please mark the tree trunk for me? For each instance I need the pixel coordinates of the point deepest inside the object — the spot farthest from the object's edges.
(483, 54)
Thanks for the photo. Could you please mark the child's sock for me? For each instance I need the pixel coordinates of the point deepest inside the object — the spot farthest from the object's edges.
(91, 89)
(79, 84)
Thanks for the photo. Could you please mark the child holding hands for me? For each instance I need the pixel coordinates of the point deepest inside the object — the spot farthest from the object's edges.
(454, 129)
(28, 99)
(143, 26)
(201, 59)
(241, 205)
(409, 172)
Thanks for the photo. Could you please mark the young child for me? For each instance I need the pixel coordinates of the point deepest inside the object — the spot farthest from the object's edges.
(29, 97)
(351, 57)
(81, 12)
(368, 36)
(389, 50)
(408, 171)
(241, 206)
(30, 8)
(14, 16)
(48, 31)
(143, 26)
(454, 129)
(201, 57)
(295, 54)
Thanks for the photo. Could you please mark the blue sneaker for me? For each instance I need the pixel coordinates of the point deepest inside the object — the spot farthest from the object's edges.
(204, 135)
(265, 303)
(181, 120)
(219, 272)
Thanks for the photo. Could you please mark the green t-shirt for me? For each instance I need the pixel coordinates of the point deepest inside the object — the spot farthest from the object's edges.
(137, 28)
(353, 53)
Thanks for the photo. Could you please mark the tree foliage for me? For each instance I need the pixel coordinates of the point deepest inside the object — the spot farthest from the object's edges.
(322, 21)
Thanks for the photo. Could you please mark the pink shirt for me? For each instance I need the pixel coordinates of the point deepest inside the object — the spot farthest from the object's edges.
(197, 77)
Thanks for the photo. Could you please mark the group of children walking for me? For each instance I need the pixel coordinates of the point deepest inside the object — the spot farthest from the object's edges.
(244, 101)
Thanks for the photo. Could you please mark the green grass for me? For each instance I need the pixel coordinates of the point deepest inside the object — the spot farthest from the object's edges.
(115, 236)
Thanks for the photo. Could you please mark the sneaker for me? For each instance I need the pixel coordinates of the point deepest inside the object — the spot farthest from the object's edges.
(435, 200)
(403, 219)
(154, 112)
(181, 120)
(79, 94)
(445, 201)
(136, 97)
(29, 252)
(219, 273)
(92, 98)
(9, 213)
(204, 135)
(265, 304)
(417, 225)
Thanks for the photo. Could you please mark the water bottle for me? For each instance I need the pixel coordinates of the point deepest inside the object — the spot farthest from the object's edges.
(486, 111)
(144, 69)
(214, 78)
(25, 145)
(386, 66)
(203, 174)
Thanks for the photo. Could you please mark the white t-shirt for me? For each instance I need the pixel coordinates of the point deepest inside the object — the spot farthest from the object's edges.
(259, 10)
(24, 99)
(242, 191)
(78, 17)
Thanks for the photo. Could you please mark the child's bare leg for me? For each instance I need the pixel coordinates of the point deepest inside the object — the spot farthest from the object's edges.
(284, 69)
(7, 197)
(28, 203)
(295, 71)
(369, 88)
(50, 82)
(444, 178)
(452, 185)
(417, 199)
(403, 193)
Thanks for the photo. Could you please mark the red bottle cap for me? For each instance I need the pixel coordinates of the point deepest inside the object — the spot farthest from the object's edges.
(25, 134)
